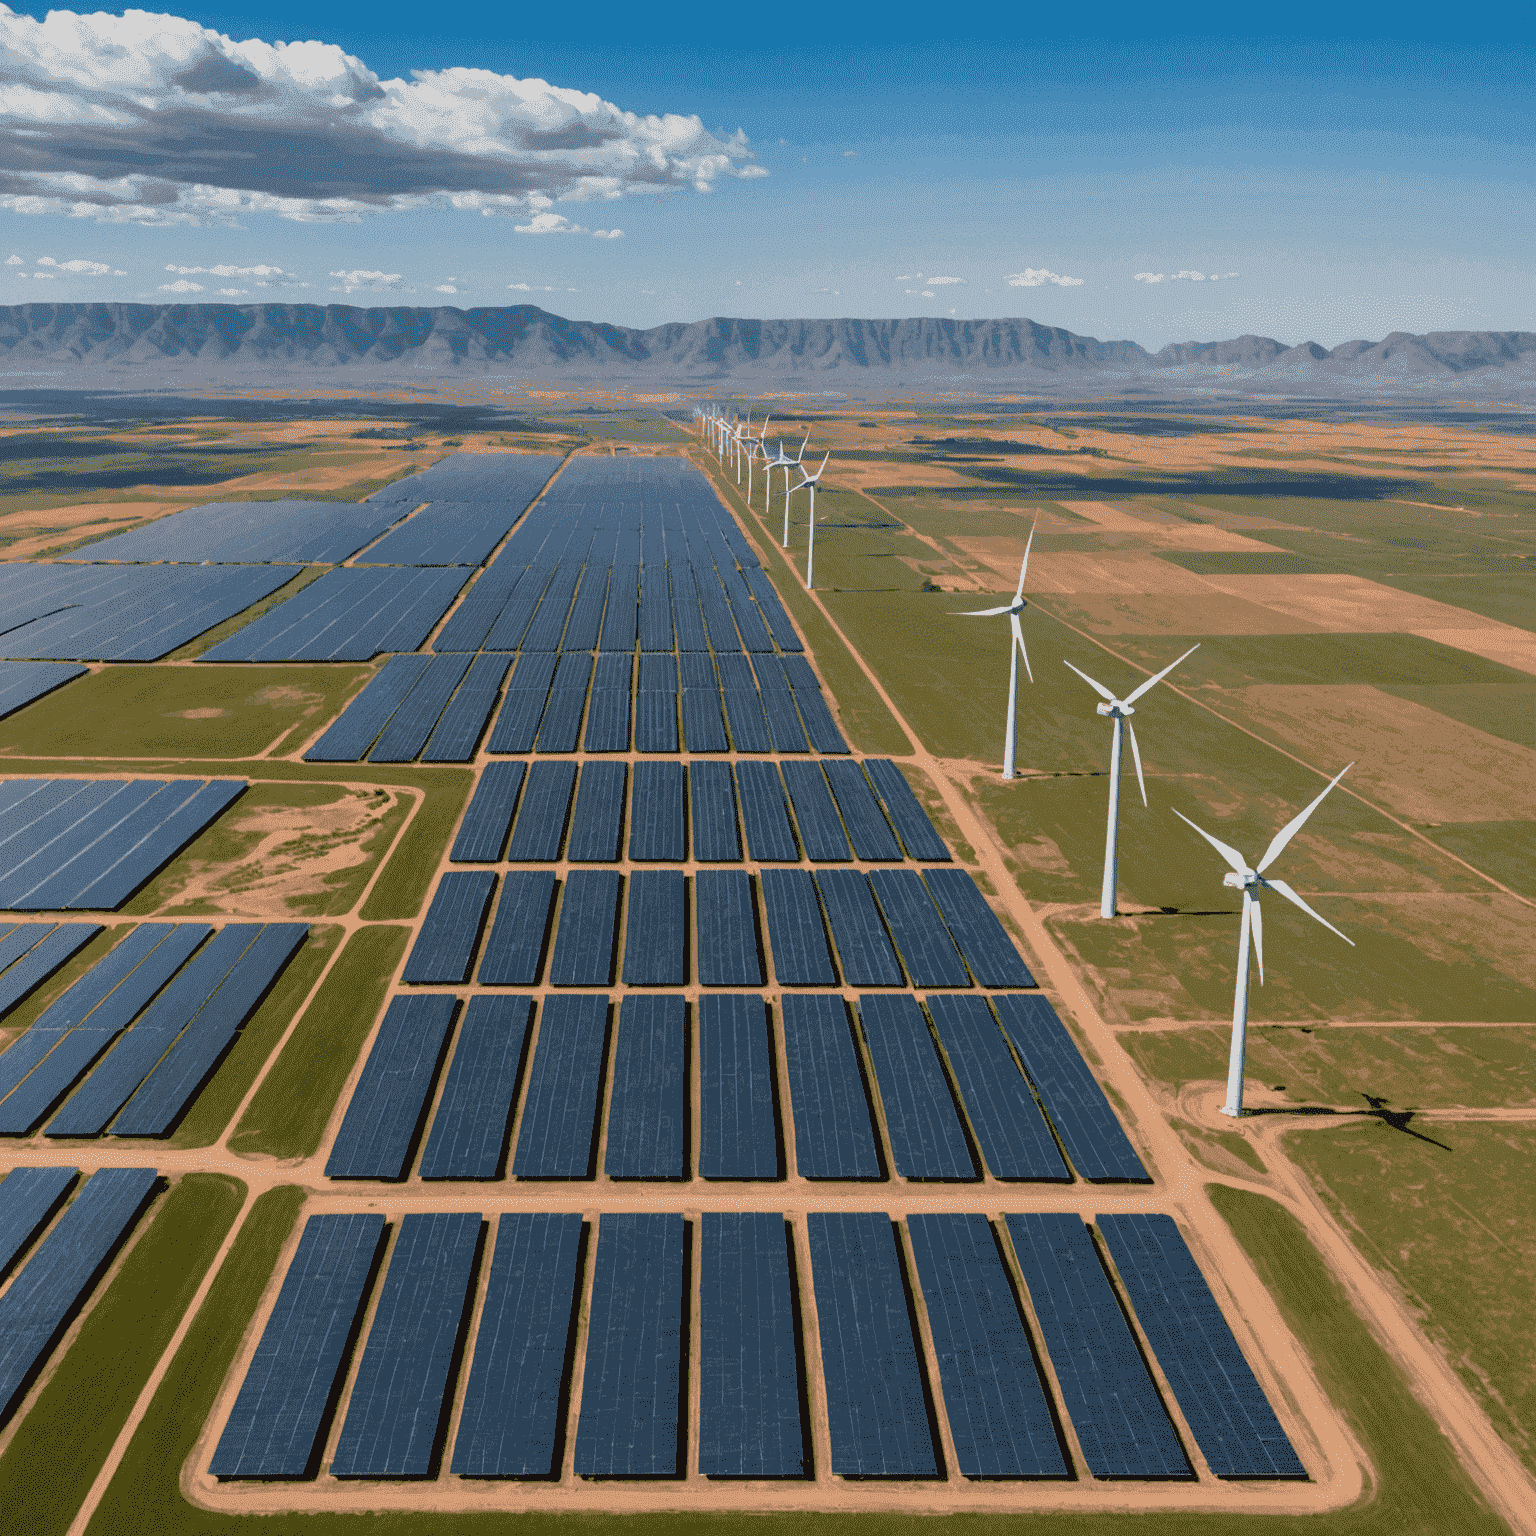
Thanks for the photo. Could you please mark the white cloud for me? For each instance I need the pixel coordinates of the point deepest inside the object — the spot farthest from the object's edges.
(79, 267)
(942, 282)
(1193, 277)
(14, 261)
(45, 277)
(529, 288)
(910, 277)
(234, 293)
(181, 285)
(154, 119)
(445, 288)
(607, 234)
(374, 282)
(549, 224)
(1184, 277)
(1151, 277)
(1038, 277)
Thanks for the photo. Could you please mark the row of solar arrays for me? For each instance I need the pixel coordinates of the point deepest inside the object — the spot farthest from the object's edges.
(55, 1281)
(631, 1409)
(31, 952)
(887, 928)
(843, 810)
(21, 682)
(145, 1027)
(949, 1084)
(489, 477)
(122, 613)
(90, 843)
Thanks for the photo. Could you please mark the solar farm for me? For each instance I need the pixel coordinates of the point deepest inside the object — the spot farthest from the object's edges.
(668, 1092)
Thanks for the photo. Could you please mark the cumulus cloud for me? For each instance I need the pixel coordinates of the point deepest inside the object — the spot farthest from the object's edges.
(1184, 277)
(42, 277)
(550, 224)
(181, 285)
(607, 234)
(910, 277)
(1038, 277)
(270, 277)
(154, 119)
(374, 282)
(925, 293)
(14, 261)
(233, 293)
(445, 288)
(80, 268)
(942, 282)
(1151, 277)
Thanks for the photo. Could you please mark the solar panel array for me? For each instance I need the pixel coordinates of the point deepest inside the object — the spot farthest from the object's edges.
(32, 952)
(89, 844)
(23, 682)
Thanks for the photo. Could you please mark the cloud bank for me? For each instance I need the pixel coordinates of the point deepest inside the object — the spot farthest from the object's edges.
(1184, 277)
(1038, 277)
(150, 119)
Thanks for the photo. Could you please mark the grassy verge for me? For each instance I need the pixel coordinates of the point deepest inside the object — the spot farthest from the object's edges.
(61, 1444)
(402, 887)
(287, 1117)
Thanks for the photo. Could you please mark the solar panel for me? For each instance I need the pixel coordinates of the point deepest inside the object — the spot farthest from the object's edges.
(621, 616)
(921, 940)
(615, 670)
(400, 1395)
(469, 1130)
(656, 719)
(560, 725)
(872, 837)
(821, 833)
(599, 816)
(483, 832)
(463, 722)
(799, 674)
(42, 958)
(749, 1399)
(749, 730)
(862, 946)
(607, 721)
(276, 1428)
(471, 622)
(735, 673)
(358, 725)
(729, 955)
(408, 729)
(586, 620)
(834, 1136)
(1071, 1095)
(906, 813)
(588, 927)
(738, 1127)
(514, 952)
(655, 610)
(384, 1117)
(445, 946)
(28, 1199)
(510, 1424)
(656, 929)
(555, 1139)
(318, 532)
(877, 1410)
(1120, 1421)
(632, 1385)
(656, 817)
(819, 724)
(658, 674)
(927, 1141)
(540, 825)
(1013, 1135)
(764, 814)
(795, 933)
(712, 803)
(1222, 1401)
(992, 956)
(998, 1411)
(648, 1099)
(784, 728)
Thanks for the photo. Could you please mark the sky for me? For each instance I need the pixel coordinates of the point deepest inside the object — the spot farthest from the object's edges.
(1157, 174)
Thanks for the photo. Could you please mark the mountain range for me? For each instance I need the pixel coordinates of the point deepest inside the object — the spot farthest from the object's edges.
(230, 344)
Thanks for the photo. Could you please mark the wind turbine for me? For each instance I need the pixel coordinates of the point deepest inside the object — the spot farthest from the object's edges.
(784, 462)
(790, 464)
(755, 446)
(808, 482)
(1015, 650)
(1251, 882)
(1120, 711)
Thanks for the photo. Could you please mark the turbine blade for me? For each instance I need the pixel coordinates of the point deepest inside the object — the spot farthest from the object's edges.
(1257, 920)
(1231, 855)
(981, 613)
(1136, 756)
(1290, 895)
(1098, 688)
(1152, 682)
(1018, 636)
(1292, 827)
(1024, 564)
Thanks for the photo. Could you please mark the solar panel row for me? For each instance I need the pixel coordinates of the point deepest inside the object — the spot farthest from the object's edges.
(32, 952)
(24, 682)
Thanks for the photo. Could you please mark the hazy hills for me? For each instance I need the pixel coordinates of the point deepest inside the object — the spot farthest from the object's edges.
(206, 344)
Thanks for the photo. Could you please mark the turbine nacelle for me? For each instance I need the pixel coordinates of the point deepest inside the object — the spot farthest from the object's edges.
(1117, 709)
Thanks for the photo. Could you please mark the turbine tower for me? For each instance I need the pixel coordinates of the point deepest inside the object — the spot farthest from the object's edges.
(756, 446)
(1015, 650)
(808, 482)
(784, 462)
(1251, 882)
(790, 464)
(1120, 711)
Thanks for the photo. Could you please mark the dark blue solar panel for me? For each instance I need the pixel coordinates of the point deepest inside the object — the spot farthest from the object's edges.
(584, 940)
(276, 1428)
(749, 731)
(764, 814)
(735, 673)
(784, 726)
(795, 933)
(469, 1130)
(28, 1199)
(360, 723)
(463, 722)
(738, 1129)
(696, 669)
(388, 1105)
(400, 1395)
(510, 1424)
(656, 721)
(631, 1392)
(407, 732)
(713, 805)
(42, 958)
(1120, 1420)
(872, 837)
(658, 674)
(703, 726)
(483, 832)
(615, 670)
(1012, 1133)
(656, 929)
(648, 1099)
(1073, 1099)
(998, 1411)
(819, 724)
(586, 622)
(749, 1398)
(821, 833)
(906, 813)
(1223, 1403)
(517, 724)
(862, 946)
(921, 938)
(445, 946)
(471, 622)
(772, 610)
(687, 621)
(727, 923)
(877, 1410)
(799, 674)
(754, 634)
(927, 1141)
(560, 726)
(992, 956)
(607, 721)
(514, 952)
(540, 823)
(834, 1136)
(622, 613)
(599, 816)
(549, 622)
(655, 610)
(555, 1139)
(656, 816)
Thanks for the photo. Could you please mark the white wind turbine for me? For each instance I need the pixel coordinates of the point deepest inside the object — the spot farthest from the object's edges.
(1251, 882)
(808, 482)
(790, 464)
(784, 462)
(756, 446)
(1015, 650)
(1120, 711)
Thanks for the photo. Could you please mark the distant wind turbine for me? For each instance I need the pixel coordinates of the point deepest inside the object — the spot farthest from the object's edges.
(790, 464)
(1120, 711)
(808, 482)
(1251, 882)
(755, 446)
(1015, 650)
(784, 462)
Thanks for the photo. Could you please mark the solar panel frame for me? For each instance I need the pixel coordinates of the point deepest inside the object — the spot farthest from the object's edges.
(921, 939)
(834, 1131)
(821, 832)
(656, 929)
(514, 953)
(744, 716)
(796, 937)
(703, 724)
(712, 812)
(648, 1112)
(444, 952)
(868, 831)
(597, 823)
(556, 1136)
(483, 832)
(729, 953)
(469, 1132)
(540, 826)
(906, 813)
(863, 948)
(765, 814)
(985, 945)
(738, 1118)
(657, 817)
(587, 929)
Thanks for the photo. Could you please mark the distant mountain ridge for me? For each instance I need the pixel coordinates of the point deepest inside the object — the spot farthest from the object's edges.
(186, 342)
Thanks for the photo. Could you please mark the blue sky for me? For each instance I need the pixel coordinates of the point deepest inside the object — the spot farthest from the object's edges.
(1347, 176)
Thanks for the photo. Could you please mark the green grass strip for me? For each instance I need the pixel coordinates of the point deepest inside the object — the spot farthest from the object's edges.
(288, 1115)
(402, 888)
(62, 1443)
